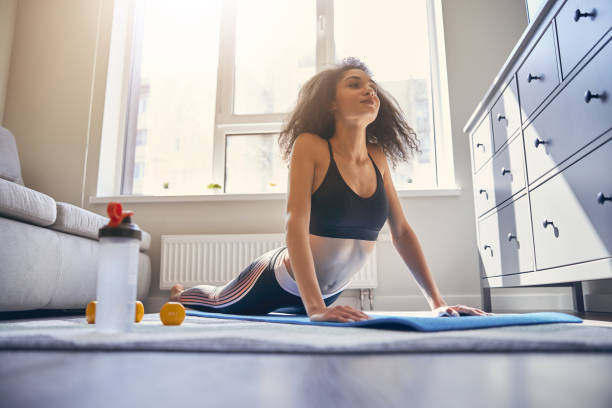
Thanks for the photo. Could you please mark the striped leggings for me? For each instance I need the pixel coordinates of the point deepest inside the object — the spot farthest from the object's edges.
(255, 291)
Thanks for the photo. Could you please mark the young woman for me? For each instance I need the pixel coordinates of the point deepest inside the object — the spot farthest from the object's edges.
(338, 138)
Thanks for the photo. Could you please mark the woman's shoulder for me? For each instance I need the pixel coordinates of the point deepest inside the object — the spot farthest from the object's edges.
(310, 139)
(315, 145)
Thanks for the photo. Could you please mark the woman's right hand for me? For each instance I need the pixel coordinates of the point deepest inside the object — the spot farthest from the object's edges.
(342, 314)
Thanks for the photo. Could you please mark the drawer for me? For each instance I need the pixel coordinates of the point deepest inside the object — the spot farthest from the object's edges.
(488, 245)
(484, 193)
(577, 37)
(505, 115)
(569, 122)
(570, 225)
(508, 171)
(482, 143)
(515, 238)
(538, 75)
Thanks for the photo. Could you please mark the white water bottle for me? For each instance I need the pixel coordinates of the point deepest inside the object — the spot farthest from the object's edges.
(117, 271)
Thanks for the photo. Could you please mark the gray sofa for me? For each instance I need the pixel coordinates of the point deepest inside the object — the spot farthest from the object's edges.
(48, 249)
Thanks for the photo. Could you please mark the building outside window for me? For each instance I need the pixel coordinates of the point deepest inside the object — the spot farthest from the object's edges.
(216, 79)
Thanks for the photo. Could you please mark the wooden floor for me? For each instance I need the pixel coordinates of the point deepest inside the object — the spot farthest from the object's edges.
(153, 379)
(144, 379)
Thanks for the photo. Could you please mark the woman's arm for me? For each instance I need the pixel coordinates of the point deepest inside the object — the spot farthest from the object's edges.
(301, 178)
(302, 265)
(300, 256)
(404, 239)
(407, 245)
(301, 175)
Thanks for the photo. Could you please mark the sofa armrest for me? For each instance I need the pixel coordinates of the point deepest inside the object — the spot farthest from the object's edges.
(24, 204)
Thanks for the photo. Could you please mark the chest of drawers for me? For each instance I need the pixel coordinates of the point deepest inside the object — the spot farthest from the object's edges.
(541, 148)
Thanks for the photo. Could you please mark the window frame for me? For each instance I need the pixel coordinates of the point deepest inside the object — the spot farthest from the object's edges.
(227, 123)
(133, 102)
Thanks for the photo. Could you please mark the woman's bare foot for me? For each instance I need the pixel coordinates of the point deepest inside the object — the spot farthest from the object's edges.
(175, 292)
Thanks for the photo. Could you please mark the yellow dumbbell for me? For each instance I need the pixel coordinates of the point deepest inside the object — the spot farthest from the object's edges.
(139, 311)
(90, 312)
(172, 314)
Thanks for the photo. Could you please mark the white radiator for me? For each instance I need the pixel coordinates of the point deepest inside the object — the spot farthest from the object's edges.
(216, 259)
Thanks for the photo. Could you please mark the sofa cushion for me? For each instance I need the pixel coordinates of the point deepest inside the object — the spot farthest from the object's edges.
(24, 204)
(10, 169)
(78, 221)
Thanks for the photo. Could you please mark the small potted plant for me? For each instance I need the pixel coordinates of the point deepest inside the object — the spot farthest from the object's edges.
(214, 187)
(272, 186)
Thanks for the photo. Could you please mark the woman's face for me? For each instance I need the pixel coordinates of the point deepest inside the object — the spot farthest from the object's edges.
(356, 98)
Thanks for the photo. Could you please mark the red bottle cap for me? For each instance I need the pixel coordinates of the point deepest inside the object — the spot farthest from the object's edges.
(120, 224)
(116, 213)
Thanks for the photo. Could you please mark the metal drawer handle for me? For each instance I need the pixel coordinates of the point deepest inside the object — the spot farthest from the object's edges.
(601, 198)
(500, 117)
(482, 190)
(488, 246)
(539, 141)
(511, 237)
(480, 144)
(589, 95)
(555, 229)
(578, 14)
(532, 77)
(504, 171)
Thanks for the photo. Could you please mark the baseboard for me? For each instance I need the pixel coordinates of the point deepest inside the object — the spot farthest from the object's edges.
(153, 304)
(598, 302)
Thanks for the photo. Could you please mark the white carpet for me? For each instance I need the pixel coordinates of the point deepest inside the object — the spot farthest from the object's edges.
(203, 334)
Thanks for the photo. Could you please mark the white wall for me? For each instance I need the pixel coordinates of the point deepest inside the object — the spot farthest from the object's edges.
(48, 94)
(55, 102)
(8, 9)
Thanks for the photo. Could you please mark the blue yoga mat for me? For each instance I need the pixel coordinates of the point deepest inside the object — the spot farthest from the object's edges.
(427, 324)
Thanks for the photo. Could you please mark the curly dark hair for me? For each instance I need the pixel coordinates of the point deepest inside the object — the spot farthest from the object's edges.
(312, 114)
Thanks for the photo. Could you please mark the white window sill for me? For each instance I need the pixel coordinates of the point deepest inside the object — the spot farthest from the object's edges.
(434, 192)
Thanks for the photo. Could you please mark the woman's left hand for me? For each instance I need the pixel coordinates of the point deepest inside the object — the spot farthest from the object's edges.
(459, 310)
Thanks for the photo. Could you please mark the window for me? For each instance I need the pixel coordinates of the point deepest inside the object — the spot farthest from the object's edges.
(175, 69)
(251, 165)
(141, 137)
(138, 168)
(399, 66)
(211, 83)
(270, 67)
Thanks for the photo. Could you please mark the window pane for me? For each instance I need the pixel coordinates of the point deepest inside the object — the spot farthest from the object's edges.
(253, 165)
(176, 108)
(275, 54)
(391, 38)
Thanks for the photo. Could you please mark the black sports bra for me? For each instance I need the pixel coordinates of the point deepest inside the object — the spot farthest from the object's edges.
(337, 211)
